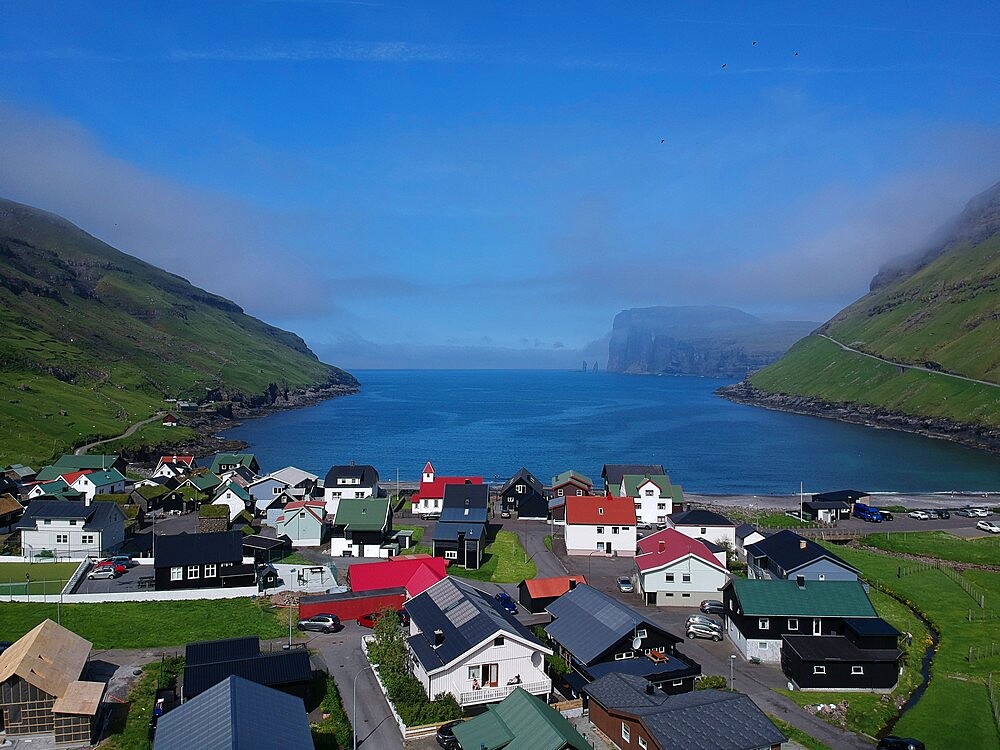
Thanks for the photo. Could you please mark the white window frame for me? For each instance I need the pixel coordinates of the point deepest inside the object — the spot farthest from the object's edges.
(177, 574)
(685, 578)
(642, 742)
(763, 623)
(86, 538)
(793, 623)
(614, 529)
(193, 572)
(210, 571)
(857, 669)
(668, 577)
(819, 669)
(626, 732)
(600, 529)
(62, 538)
(451, 554)
(640, 633)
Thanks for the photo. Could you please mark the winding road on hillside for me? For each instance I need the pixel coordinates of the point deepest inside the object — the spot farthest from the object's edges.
(905, 366)
(128, 433)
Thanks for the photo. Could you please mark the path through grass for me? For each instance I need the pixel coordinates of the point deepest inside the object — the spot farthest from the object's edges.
(503, 563)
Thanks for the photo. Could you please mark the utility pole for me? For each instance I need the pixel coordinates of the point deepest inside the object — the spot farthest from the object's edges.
(800, 500)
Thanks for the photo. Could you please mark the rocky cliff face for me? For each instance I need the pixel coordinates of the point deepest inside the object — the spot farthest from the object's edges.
(708, 341)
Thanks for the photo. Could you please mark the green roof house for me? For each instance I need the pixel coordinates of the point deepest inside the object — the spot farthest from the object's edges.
(571, 483)
(362, 527)
(233, 496)
(228, 461)
(94, 462)
(654, 496)
(201, 482)
(520, 722)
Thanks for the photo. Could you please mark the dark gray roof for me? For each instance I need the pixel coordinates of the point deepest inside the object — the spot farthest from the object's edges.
(701, 720)
(523, 476)
(236, 714)
(744, 530)
(465, 496)
(870, 626)
(833, 648)
(827, 504)
(272, 668)
(367, 474)
(448, 532)
(846, 495)
(699, 517)
(712, 546)
(588, 622)
(206, 652)
(96, 516)
(463, 515)
(786, 549)
(643, 666)
(193, 549)
(613, 473)
(465, 615)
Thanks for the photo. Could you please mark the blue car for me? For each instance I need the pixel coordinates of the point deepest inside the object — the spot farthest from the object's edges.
(506, 602)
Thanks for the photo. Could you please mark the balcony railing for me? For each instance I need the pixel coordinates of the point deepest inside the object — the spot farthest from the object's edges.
(494, 694)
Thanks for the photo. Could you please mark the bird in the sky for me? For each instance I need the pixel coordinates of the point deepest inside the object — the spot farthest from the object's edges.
(663, 140)
(724, 66)
(796, 54)
(754, 42)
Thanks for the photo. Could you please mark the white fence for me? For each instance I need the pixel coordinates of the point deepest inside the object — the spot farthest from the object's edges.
(138, 596)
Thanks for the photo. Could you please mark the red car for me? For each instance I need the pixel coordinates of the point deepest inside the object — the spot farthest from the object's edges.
(108, 565)
(371, 618)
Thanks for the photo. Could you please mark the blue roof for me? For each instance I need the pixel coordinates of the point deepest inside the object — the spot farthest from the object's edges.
(236, 714)
(448, 532)
(641, 666)
(463, 515)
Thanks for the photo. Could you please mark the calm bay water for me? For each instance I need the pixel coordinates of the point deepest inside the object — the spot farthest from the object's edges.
(490, 423)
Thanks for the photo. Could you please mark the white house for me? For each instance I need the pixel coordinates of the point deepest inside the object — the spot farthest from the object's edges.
(351, 481)
(103, 482)
(303, 522)
(464, 643)
(600, 522)
(745, 536)
(704, 524)
(674, 570)
(71, 530)
(653, 495)
(233, 496)
(429, 497)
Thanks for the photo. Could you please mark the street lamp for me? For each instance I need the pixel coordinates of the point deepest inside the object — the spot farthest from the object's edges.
(732, 661)
(354, 703)
(590, 558)
(290, 605)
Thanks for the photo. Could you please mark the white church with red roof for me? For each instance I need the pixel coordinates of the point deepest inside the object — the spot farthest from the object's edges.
(429, 498)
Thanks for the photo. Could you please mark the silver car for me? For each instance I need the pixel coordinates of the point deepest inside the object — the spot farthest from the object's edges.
(625, 585)
(708, 622)
(698, 630)
(108, 572)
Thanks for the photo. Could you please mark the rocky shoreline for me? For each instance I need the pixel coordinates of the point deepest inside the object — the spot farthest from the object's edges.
(207, 422)
(983, 438)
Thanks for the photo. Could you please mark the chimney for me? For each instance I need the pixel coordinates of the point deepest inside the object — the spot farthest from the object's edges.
(802, 543)
(650, 689)
(572, 584)
(438, 637)
(800, 581)
(662, 546)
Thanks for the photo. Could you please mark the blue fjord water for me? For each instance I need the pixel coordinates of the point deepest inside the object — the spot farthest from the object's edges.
(492, 422)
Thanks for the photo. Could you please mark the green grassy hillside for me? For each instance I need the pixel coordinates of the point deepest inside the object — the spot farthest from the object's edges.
(944, 315)
(94, 339)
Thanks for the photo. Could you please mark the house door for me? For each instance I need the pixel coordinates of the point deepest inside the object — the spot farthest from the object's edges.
(607, 548)
(817, 626)
(491, 675)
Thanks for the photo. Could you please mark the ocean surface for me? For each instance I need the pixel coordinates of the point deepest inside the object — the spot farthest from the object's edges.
(490, 423)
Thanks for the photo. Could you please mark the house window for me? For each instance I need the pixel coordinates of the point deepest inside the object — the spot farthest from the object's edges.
(685, 596)
(763, 623)
(624, 655)
(762, 645)
(685, 577)
(819, 670)
(638, 506)
(498, 641)
(177, 574)
(62, 538)
(559, 492)
(822, 576)
(661, 506)
(600, 529)
(670, 577)
(600, 511)
(72, 522)
(210, 570)
(47, 521)
(626, 733)
(614, 529)
(677, 683)
(580, 492)
(793, 623)
(193, 571)
(474, 672)
(520, 489)
(87, 539)
(703, 531)
(648, 493)
(276, 490)
(857, 669)
(642, 743)
(640, 633)
(450, 554)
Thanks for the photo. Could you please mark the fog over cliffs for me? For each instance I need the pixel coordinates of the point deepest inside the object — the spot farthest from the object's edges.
(709, 341)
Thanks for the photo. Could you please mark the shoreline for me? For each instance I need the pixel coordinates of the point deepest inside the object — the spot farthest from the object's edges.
(791, 502)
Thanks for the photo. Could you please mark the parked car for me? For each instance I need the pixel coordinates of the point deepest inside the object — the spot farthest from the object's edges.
(919, 515)
(625, 585)
(706, 621)
(981, 511)
(506, 602)
(661, 525)
(645, 525)
(892, 742)
(942, 513)
(324, 623)
(886, 514)
(371, 618)
(697, 630)
(446, 736)
(118, 560)
(988, 526)
(505, 514)
(967, 512)
(106, 572)
(108, 565)
(712, 607)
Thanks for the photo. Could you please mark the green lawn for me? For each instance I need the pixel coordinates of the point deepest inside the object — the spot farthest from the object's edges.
(955, 714)
(797, 735)
(769, 520)
(149, 624)
(502, 563)
(129, 725)
(939, 544)
(418, 534)
(47, 578)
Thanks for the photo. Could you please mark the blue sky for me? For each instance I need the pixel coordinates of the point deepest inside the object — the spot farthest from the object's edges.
(428, 184)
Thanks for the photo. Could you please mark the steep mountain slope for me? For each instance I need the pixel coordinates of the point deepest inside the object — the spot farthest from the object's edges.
(712, 341)
(94, 339)
(944, 314)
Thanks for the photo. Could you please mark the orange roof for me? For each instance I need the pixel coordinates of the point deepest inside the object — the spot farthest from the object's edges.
(543, 588)
(594, 510)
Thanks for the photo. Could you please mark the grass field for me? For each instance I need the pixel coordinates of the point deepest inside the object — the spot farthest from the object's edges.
(149, 624)
(954, 704)
(797, 735)
(129, 725)
(418, 534)
(770, 520)
(502, 563)
(45, 578)
(939, 544)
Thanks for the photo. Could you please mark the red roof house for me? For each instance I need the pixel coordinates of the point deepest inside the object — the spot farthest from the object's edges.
(600, 523)
(673, 569)
(416, 575)
(666, 546)
(429, 497)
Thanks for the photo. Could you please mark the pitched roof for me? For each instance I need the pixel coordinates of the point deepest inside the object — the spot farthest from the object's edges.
(744, 530)
(846, 495)
(448, 532)
(700, 720)
(366, 474)
(363, 514)
(588, 622)
(203, 482)
(520, 722)
(96, 517)
(191, 549)
(228, 717)
(81, 698)
(699, 517)
(465, 615)
(271, 668)
(634, 481)
(463, 515)
(316, 508)
(240, 492)
(85, 461)
(186, 460)
(593, 510)
(791, 551)
(544, 588)
(815, 599)
(835, 648)
(206, 652)
(571, 476)
(675, 547)
(105, 477)
(71, 476)
(466, 495)
(613, 473)
(292, 475)
(9, 504)
(435, 490)
(236, 459)
(523, 476)
(48, 656)
(416, 575)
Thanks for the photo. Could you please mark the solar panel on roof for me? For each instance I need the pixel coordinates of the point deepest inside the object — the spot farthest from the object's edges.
(461, 614)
